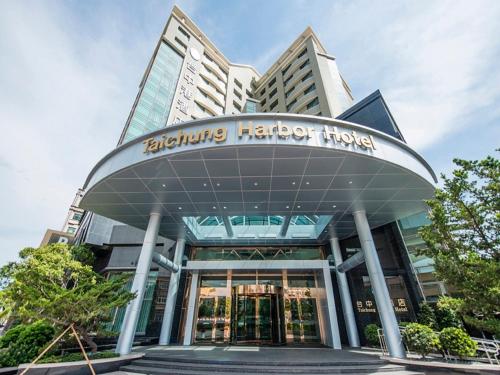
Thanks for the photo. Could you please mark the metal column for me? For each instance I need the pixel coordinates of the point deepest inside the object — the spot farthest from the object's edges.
(379, 287)
(345, 296)
(173, 287)
(188, 330)
(332, 312)
(129, 326)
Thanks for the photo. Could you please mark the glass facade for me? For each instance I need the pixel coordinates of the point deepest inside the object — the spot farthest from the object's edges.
(242, 307)
(119, 313)
(153, 107)
(299, 226)
(423, 266)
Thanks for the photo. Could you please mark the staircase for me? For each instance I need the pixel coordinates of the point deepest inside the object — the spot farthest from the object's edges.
(156, 364)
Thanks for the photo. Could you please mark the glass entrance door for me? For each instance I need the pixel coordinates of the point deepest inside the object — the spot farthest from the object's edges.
(256, 315)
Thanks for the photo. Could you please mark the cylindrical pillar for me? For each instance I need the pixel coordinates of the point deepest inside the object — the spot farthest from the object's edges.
(332, 311)
(129, 325)
(345, 296)
(379, 287)
(173, 287)
(188, 333)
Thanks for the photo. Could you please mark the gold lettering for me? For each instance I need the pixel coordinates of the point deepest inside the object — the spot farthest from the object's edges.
(299, 132)
(347, 138)
(146, 143)
(170, 142)
(205, 134)
(194, 138)
(220, 134)
(284, 131)
(331, 134)
(245, 129)
(260, 131)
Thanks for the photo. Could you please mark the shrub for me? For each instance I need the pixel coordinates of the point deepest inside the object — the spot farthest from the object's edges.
(426, 315)
(11, 335)
(420, 338)
(447, 312)
(78, 356)
(457, 342)
(24, 344)
(371, 334)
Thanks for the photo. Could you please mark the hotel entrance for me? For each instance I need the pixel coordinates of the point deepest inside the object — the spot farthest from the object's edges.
(260, 308)
(257, 315)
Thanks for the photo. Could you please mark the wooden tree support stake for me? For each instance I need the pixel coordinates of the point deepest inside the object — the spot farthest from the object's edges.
(53, 343)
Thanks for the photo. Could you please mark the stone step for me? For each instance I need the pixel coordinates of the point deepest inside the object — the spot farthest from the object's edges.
(161, 358)
(164, 367)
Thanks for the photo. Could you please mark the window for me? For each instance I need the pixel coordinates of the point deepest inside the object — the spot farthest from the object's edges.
(155, 100)
(287, 94)
(181, 44)
(286, 69)
(250, 107)
(184, 32)
(71, 230)
(263, 91)
(308, 75)
(77, 216)
(272, 82)
(238, 83)
(263, 101)
(238, 95)
(306, 63)
(208, 57)
(249, 94)
(302, 53)
(273, 104)
(272, 93)
(309, 89)
(291, 104)
(313, 103)
(288, 80)
(237, 106)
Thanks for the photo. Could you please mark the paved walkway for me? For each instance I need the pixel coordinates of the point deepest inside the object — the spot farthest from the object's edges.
(256, 354)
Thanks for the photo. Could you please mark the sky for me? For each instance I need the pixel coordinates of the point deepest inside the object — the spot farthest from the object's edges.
(70, 70)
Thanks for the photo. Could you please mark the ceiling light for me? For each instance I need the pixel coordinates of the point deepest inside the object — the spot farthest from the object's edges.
(350, 182)
(298, 206)
(205, 184)
(255, 206)
(287, 206)
(224, 207)
(214, 207)
(255, 183)
(180, 208)
(334, 206)
(164, 185)
(307, 182)
(293, 182)
(218, 184)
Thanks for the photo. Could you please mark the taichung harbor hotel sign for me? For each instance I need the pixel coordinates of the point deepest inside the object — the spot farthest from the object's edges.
(244, 132)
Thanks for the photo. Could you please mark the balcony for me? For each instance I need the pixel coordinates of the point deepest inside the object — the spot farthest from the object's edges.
(209, 105)
(213, 93)
(302, 101)
(311, 111)
(212, 78)
(293, 68)
(214, 69)
(299, 89)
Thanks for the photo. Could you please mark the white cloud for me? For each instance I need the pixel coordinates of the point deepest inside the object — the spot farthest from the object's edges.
(64, 98)
(435, 62)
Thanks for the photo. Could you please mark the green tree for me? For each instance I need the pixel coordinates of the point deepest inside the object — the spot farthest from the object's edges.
(463, 238)
(56, 283)
(426, 315)
(447, 312)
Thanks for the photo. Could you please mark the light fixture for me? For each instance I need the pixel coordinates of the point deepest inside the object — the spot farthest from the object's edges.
(255, 206)
(293, 182)
(287, 206)
(350, 182)
(307, 182)
(214, 207)
(255, 183)
(224, 207)
(298, 206)
(205, 184)
(180, 208)
(334, 206)
(218, 184)
(163, 185)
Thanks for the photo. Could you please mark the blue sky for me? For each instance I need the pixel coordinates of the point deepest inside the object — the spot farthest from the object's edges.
(69, 72)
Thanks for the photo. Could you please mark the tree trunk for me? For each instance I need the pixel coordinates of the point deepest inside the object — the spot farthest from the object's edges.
(88, 340)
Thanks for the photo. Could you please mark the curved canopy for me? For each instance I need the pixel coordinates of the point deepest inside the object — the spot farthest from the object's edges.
(248, 187)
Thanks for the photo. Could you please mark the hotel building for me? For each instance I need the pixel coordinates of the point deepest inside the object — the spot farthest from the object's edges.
(258, 209)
